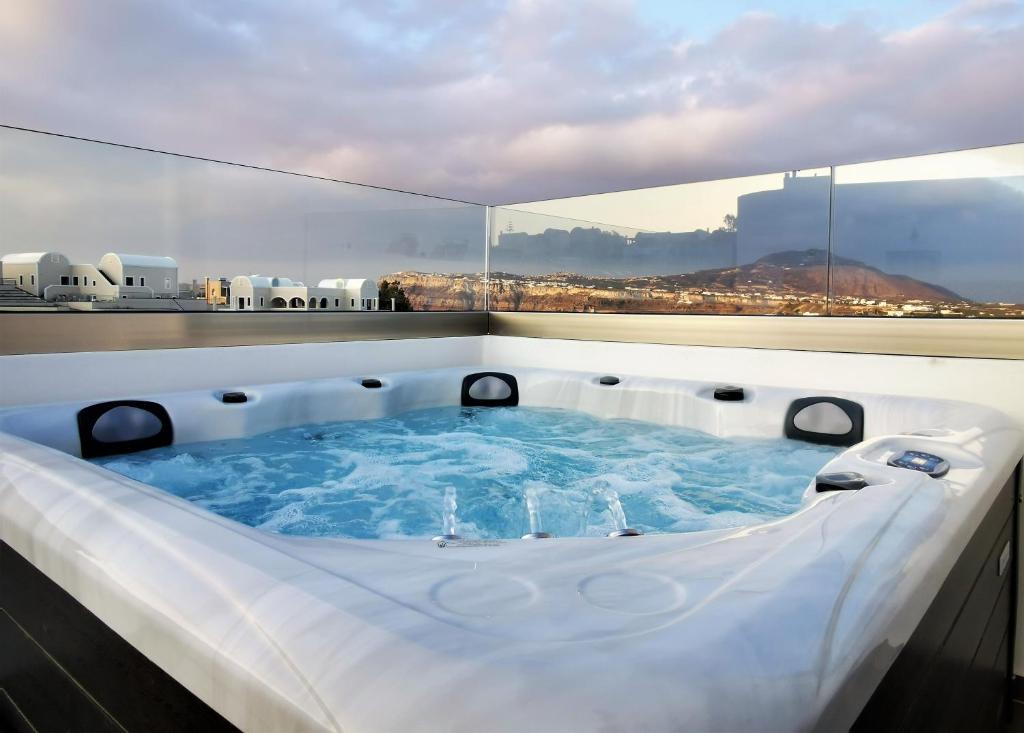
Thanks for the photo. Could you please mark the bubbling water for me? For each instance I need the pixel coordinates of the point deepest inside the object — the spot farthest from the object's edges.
(611, 498)
(448, 513)
(532, 494)
(493, 471)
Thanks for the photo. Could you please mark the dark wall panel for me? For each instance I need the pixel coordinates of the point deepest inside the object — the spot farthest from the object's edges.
(954, 672)
(65, 670)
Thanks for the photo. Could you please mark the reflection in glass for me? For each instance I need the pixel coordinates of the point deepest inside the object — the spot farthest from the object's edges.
(754, 245)
(289, 238)
(934, 236)
(91, 226)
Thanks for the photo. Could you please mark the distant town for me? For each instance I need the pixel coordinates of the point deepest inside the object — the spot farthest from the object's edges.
(48, 280)
(929, 248)
(793, 283)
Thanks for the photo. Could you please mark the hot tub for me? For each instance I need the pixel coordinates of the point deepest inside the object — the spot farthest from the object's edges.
(786, 624)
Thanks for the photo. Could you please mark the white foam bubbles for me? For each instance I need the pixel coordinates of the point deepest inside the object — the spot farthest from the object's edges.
(387, 477)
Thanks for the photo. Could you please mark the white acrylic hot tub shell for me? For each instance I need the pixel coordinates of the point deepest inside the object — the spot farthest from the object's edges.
(759, 628)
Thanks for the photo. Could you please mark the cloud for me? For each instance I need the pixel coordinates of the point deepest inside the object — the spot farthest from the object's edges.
(508, 101)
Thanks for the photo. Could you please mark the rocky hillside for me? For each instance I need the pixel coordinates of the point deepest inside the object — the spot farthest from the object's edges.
(783, 282)
(441, 292)
(805, 272)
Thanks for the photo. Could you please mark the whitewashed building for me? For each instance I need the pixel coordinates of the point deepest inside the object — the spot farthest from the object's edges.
(52, 276)
(361, 294)
(252, 292)
(258, 292)
(160, 274)
(33, 271)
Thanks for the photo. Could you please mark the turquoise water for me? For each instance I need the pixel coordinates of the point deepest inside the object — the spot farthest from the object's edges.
(387, 478)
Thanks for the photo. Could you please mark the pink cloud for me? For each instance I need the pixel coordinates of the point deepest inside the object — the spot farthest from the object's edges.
(508, 101)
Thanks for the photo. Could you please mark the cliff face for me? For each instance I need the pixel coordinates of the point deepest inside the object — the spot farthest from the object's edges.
(782, 283)
(441, 292)
(434, 292)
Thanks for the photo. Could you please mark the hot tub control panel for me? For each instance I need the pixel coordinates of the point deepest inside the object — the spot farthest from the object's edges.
(916, 460)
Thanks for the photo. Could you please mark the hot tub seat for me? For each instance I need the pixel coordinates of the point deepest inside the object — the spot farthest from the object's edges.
(794, 622)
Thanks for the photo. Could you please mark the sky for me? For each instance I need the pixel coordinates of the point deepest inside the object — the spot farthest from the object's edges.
(518, 100)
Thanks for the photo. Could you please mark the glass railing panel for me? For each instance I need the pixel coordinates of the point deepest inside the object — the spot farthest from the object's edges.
(310, 241)
(931, 236)
(432, 251)
(752, 245)
(936, 235)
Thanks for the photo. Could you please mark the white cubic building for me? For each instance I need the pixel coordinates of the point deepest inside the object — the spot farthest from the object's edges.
(52, 276)
(33, 271)
(258, 292)
(160, 274)
(252, 292)
(360, 294)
